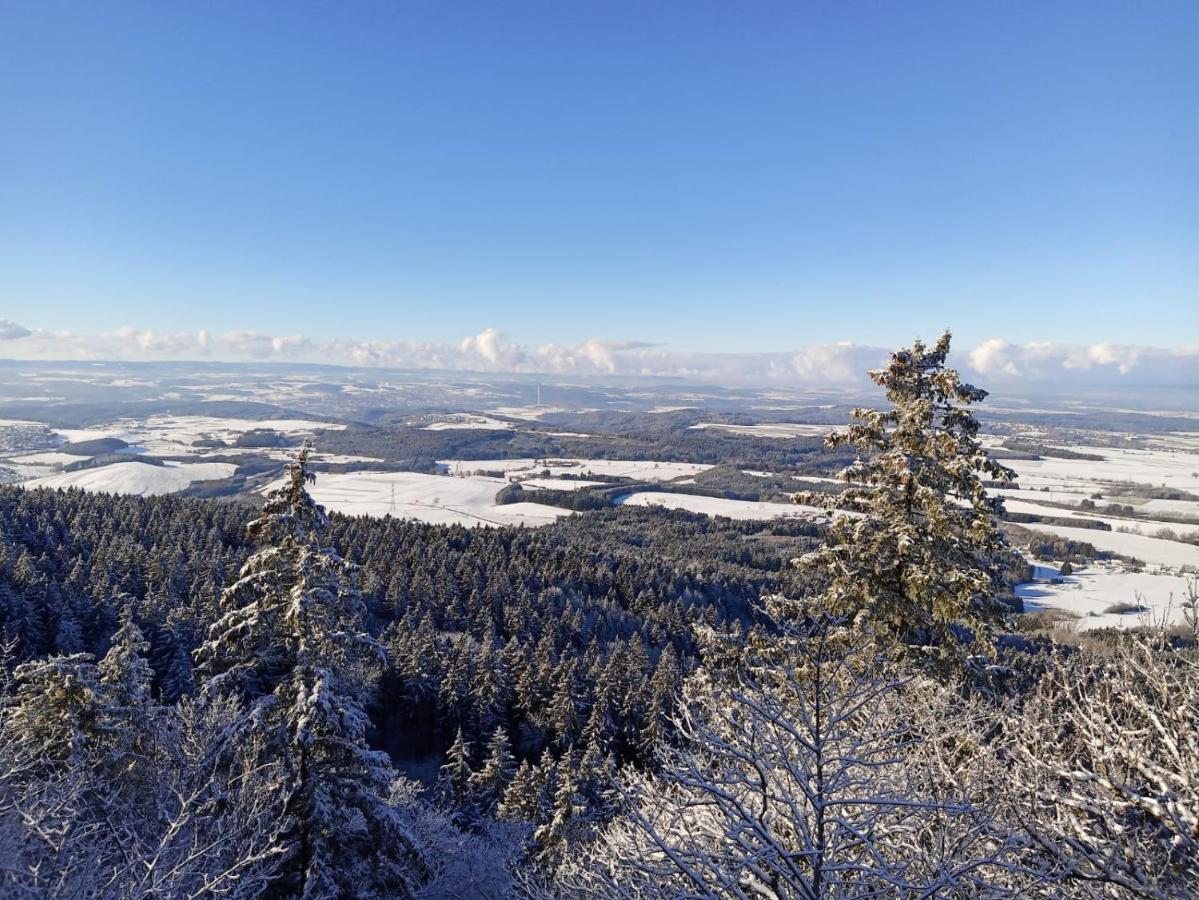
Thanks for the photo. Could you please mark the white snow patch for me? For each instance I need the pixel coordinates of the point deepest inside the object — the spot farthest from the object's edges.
(1153, 551)
(1137, 526)
(719, 506)
(136, 478)
(638, 470)
(1090, 593)
(775, 429)
(466, 422)
(437, 499)
(559, 484)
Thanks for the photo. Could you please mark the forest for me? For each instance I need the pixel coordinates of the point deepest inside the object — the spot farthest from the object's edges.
(213, 698)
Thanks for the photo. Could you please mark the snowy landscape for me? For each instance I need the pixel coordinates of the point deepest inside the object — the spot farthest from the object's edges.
(599, 451)
(1112, 492)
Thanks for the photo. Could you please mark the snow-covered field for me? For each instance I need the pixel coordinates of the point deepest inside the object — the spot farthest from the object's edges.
(175, 435)
(136, 478)
(1150, 550)
(1090, 593)
(466, 422)
(1159, 468)
(529, 413)
(1140, 526)
(774, 430)
(638, 470)
(430, 498)
(719, 506)
(559, 484)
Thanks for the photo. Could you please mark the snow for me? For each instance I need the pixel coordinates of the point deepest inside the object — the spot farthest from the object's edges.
(438, 499)
(1091, 592)
(529, 413)
(47, 458)
(1075, 497)
(175, 435)
(1153, 551)
(1168, 507)
(811, 479)
(719, 506)
(136, 478)
(1139, 526)
(1158, 467)
(637, 470)
(465, 422)
(560, 484)
(775, 430)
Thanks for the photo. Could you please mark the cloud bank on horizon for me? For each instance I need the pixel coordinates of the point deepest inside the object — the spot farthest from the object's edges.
(844, 363)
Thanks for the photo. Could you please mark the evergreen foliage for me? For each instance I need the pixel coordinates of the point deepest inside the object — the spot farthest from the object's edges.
(919, 556)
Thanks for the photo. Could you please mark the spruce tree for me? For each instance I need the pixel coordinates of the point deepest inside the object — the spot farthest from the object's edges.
(491, 780)
(57, 708)
(292, 643)
(128, 714)
(919, 554)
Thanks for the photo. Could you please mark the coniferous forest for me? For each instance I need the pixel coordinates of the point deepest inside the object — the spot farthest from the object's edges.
(223, 699)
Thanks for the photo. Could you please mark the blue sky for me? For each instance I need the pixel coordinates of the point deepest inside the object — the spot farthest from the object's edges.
(715, 176)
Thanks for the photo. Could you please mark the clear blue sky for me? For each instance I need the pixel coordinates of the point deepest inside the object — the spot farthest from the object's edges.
(741, 176)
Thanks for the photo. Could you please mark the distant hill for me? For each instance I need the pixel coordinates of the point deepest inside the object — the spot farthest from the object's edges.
(94, 447)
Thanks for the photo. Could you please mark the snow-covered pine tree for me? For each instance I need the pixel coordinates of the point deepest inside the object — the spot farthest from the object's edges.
(128, 714)
(498, 767)
(124, 671)
(292, 643)
(454, 778)
(530, 795)
(919, 554)
(56, 708)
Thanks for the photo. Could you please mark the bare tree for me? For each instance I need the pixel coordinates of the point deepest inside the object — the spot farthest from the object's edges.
(1106, 766)
(814, 771)
(207, 824)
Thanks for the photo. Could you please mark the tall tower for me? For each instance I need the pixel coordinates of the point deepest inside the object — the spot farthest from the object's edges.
(539, 393)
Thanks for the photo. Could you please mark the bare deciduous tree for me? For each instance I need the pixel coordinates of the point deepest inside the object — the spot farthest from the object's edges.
(815, 771)
(1106, 763)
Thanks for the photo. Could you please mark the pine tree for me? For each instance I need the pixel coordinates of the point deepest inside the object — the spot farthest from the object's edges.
(663, 696)
(454, 778)
(124, 671)
(292, 643)
(522, 796)
(491, 780)
(127, 715)
(57, 707)
(921, 557)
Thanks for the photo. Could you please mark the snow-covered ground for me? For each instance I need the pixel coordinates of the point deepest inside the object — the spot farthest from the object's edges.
(775, 429)
(529, 413)
(1090, 593)
(638, 470)
(1140, 526)
(1159, 468)
(466, 422)
(136, 478)
(719, 506)
(175, 435)
(438, 499)
(559, 484)
(47, 458)
(1150, 550)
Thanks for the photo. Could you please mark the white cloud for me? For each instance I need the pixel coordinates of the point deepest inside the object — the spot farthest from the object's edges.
(992, 362)
(10, 330)
(1101, 363)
